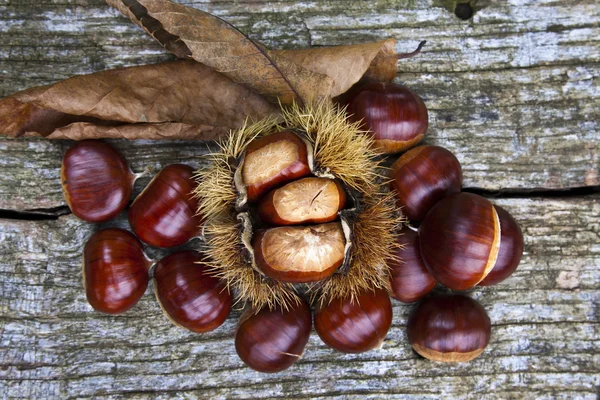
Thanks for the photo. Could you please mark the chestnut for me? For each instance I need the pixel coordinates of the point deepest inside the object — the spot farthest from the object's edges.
(300, 253)
(115, 270)
(355, 326)
(460, 239)
(423, 176)
(449, 328)
(96, 180)
(273, 340)
(273, 160)
(395, 115)
(511, 249)
(307, 200)
(409, 278)
(189, 296)
(164, 214)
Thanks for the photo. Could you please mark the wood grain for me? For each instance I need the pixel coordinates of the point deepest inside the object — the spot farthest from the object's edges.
(513, 92)
(545, 333)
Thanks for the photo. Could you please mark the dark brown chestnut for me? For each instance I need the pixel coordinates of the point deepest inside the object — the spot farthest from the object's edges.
(460, 239)
(409, 277)
(422, 177)
(511, 249)
(189, 296)
(115, 270)
(395, 115)
(355, 326)
(300, 253)
(164, 214)
(305, 201)
(449, 328)
(272, 161)
(96, 180)
(273, 340)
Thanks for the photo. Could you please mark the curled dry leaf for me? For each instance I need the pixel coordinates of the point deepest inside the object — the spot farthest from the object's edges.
(191, 33)
(181, 91)
(165, 130)
(346, 65)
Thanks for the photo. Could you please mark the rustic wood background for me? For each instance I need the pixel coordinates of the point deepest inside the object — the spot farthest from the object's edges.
(514, 92)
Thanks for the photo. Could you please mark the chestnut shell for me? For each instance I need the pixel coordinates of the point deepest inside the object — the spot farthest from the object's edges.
(164, 214)
(355, 326)
(449, 328)
(395, 115)
(460, 239)
(115, 270)
(273, 340)
(422, 177)
(511, 249)
(189, 296)
(96, 180)
(409, 278)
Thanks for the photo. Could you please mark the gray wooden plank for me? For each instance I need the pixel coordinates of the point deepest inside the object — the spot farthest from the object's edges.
(545, 339)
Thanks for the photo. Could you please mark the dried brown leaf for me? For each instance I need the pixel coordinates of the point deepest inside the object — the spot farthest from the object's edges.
(177, 91)
(346, 65)
(166, 130)
(191, 33)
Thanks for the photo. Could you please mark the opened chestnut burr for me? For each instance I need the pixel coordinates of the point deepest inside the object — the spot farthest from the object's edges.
(96, 180)
(164, 214)
(300, 253)
(409, 278)
(115, 270)
(395, 115)
(188, 295)
(449, 328)
(422, 177)
(305, 201)
(273, 340)
(355, 326)
(460, 239)
(510, 252)
(273, 160)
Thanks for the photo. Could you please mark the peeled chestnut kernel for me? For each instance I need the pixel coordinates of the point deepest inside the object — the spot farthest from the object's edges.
(164, 214)
(355, 326)
(307, 200)
(511, 249)
(409, 277)
(460, 239)
(273, 340)
(449, 328)
(189, 296)
(422, 177)
(272, 161)
(96, 180)
(300, 253)
(395, 115)
(115, 270)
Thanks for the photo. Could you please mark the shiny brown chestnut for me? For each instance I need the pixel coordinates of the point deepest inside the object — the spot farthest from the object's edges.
(305, 201)
(164, 214)
(395, 115)
(189, 296)
(272, 161)
(355, 326)
(449, 328)
(422, 177)
(273, 340)
(409, 277)
(460, 240)
(511, 249)
(115, 270)
(96, 180)
(300, 253)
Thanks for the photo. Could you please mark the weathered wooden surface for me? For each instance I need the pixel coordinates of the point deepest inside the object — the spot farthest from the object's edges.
(514, 92)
